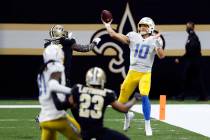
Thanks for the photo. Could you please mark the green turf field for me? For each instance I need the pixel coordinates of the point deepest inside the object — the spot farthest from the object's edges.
(34, 102)
(19, 124)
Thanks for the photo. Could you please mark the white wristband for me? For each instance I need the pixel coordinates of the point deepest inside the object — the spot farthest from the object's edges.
(55, 86)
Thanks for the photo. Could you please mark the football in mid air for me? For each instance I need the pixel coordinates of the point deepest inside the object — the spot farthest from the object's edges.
(106, 16)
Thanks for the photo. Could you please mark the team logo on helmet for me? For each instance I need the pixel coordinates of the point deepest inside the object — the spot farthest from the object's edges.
(95, 76)
(58, 31)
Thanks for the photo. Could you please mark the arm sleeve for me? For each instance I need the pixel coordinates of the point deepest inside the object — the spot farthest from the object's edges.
(75, 93)
(129, 35)
(60, 105)
(77, 47)
(111, 97)
(54, 86)
(83, 48)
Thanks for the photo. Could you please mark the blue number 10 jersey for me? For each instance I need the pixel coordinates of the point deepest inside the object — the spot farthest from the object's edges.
(142, 52)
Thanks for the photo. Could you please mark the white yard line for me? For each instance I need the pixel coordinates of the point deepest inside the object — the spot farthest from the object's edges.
(193, 117)
(20, 106)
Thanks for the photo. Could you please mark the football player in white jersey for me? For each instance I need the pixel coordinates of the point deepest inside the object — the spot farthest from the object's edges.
(52, 79)
(143, 47)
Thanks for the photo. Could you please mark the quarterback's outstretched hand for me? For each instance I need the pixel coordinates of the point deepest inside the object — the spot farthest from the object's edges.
(108, 24)
(96, 40)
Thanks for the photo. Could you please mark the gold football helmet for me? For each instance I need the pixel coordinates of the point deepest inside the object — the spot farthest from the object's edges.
(95, 76)
(58, 31)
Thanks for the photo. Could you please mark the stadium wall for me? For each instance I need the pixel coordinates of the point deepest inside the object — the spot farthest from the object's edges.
(24, 25)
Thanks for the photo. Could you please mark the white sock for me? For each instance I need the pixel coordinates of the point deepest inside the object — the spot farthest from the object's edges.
(147, 122)
(126, 115)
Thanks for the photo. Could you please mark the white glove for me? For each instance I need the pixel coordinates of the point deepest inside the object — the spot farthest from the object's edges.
(159, 42)
(96, 40)
(70, 35)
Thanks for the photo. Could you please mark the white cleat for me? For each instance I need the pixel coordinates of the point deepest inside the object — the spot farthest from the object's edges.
(128, 117)
(148, 129)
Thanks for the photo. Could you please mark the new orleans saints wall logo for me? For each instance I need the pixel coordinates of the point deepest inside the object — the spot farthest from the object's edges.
(118, 63)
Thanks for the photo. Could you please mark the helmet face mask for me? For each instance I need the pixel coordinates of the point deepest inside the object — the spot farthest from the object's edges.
(95, 77)
(146, 21)
(143, 29)
(58, 31)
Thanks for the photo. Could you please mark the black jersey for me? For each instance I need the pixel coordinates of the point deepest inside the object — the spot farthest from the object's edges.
(67, 49)
(68, 45)
(193, 46)
(91, 104)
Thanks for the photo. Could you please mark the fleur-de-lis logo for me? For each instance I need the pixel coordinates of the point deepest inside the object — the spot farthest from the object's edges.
(120, 62)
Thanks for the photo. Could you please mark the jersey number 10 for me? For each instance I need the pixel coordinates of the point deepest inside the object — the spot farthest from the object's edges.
(141, 51)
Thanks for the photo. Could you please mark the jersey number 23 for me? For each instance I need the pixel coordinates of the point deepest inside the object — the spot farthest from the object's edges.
(86, 100)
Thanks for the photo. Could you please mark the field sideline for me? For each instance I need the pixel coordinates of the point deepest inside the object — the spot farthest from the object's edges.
(193, 117)
(18, 123)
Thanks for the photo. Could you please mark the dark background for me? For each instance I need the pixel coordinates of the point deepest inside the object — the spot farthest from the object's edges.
(18, 73)
(81, 11)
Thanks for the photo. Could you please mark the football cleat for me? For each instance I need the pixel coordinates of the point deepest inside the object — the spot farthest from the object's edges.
(37, 121)
(128, 117)
(148, 129)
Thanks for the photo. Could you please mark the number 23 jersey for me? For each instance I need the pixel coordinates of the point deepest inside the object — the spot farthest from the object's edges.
(91, 104)
(142, 52)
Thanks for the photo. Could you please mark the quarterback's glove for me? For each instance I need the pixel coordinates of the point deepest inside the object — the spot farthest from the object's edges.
(96, 40)
(159, 43)
(137, 96)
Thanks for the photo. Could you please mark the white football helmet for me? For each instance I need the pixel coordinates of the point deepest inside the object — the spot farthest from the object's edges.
(96, 76)
(146, 21)
(53, 52)
(58, 31)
